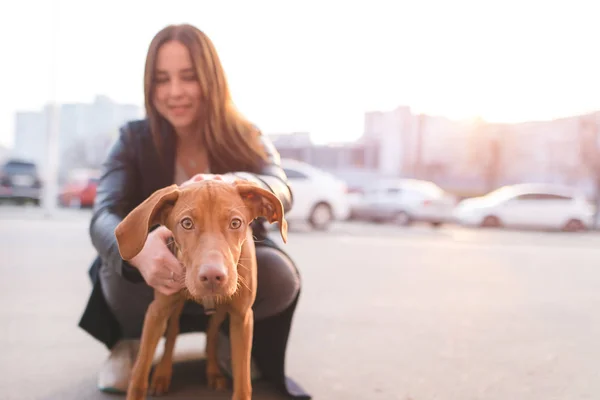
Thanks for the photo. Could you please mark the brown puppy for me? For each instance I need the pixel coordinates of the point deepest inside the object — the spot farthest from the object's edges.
(209, 221)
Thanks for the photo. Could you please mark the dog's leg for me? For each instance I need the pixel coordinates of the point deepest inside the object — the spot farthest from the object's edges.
(155, 324)
(241, 329)
(161, 378)
(214, 375)
(242, 322)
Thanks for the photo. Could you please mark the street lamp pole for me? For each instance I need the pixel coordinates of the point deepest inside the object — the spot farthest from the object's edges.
(50, 187)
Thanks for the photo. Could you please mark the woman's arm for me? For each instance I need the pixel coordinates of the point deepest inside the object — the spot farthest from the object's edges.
(114, 195)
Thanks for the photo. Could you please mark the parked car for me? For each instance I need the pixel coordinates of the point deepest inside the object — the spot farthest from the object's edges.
(79, 193)
(543, 206)
(20, 182)
(403, 201)
(319, 197)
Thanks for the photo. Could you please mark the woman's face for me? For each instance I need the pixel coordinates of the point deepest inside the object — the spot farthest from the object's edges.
(177, 94)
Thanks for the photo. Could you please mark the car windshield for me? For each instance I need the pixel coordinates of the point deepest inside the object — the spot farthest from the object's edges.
(14, 167)
(499, 192)
(499, 195)
(430, 189)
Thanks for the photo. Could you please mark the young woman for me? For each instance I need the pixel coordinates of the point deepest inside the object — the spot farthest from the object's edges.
(192, 128)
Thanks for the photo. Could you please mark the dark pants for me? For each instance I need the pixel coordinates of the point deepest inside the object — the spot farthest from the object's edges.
(278, 286)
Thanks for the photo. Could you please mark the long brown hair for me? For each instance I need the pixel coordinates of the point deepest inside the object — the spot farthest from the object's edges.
(231, 141)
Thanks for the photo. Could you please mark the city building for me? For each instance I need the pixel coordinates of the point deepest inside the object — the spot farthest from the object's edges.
(86, 130)
(468, 157)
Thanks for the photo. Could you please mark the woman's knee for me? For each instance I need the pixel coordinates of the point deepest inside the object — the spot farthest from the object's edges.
(278, 282)
(127, 301)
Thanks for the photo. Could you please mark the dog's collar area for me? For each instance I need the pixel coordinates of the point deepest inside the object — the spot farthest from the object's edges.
(174, 248)
(208, 303)
(172, 245)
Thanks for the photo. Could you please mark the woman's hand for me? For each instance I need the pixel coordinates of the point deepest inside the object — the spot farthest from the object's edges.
(159, 267)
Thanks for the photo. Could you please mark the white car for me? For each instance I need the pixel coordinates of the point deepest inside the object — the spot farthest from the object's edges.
(528, 206)
(319, 197)
(403, 201)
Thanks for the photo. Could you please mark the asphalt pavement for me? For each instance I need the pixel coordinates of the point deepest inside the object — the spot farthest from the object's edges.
(386, 313)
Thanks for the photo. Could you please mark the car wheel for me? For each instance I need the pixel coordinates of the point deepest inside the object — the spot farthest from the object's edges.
(402, 218)
(574, 225)
(491, 221)
(321, 217)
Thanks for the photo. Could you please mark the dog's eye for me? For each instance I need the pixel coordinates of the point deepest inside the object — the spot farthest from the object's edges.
(187, 223)
(235, 223)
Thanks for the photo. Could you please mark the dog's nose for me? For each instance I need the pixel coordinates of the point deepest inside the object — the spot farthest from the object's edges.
(212, 275)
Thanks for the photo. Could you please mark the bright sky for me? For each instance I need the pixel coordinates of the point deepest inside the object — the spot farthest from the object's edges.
(317, 66)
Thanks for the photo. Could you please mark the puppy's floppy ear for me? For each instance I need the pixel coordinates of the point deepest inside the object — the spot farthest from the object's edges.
(132, 232)
(263, 203)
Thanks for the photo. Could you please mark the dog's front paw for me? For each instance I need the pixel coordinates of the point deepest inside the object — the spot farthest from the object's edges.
(216, 379)
(161, 379)
(136, 392)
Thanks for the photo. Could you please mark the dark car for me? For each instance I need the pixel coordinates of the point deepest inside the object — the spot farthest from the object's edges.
(20, 182)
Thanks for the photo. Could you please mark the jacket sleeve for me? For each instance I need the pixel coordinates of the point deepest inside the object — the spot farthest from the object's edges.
(271, 176)
(114, 198)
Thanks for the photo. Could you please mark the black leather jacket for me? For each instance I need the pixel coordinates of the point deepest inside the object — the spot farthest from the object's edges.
(133, 170)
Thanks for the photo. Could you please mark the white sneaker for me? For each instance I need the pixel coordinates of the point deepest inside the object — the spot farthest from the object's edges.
(116, 371)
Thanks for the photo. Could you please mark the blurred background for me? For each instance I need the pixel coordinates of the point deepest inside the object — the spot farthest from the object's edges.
(470, 97)
(407, 129)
